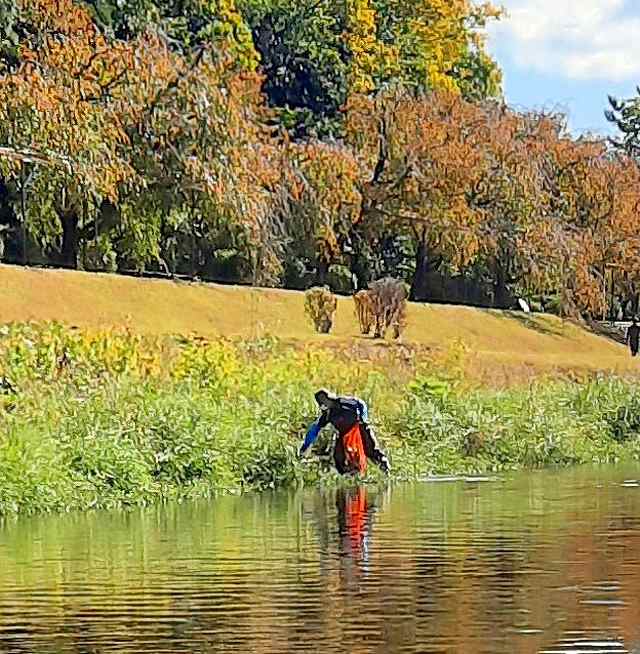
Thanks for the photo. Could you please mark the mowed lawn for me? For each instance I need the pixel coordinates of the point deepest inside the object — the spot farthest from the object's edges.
(502, 343)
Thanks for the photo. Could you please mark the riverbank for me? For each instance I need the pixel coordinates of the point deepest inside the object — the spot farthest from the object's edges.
(111, 418)
(504, 348)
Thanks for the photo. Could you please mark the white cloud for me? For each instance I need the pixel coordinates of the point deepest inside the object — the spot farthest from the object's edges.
(578, 39)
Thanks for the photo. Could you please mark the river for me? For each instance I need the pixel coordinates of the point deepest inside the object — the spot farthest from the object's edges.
(544, 562)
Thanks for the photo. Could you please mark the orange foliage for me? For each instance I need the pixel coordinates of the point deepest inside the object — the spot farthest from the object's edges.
(420, 154)
(323, 199)
(138, 124)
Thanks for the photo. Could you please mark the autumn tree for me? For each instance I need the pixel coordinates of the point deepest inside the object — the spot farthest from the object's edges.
(509, 194)
(590, 224)
(625, 115)
(200, 141)
(421, 154)
(144, 131)
(319, 201)
(439, 45)
(612, 197)
(53, 103)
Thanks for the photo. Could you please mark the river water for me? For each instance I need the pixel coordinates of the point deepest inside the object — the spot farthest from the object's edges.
(544, 562)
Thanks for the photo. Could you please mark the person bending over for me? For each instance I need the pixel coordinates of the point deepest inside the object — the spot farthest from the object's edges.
(356, 440)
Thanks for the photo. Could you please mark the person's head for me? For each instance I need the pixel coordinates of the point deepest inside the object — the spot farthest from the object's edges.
(325, 399)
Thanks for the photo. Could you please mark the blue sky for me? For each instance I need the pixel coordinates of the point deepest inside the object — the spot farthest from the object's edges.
(569, 55)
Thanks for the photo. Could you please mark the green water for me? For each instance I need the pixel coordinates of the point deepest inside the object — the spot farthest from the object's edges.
(545, 562)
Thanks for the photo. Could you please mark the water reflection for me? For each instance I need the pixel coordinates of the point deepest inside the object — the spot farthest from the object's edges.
(548, 562)
(355, 517)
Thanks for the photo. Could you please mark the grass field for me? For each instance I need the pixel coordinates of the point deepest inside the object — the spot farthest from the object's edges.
(503, 347)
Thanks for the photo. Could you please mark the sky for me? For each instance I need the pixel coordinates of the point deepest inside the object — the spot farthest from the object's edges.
(569, 55)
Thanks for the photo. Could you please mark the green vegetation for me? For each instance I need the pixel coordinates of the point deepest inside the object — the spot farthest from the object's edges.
(110, 418)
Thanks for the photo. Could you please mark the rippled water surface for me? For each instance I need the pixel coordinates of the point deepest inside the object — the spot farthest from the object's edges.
(544, 562)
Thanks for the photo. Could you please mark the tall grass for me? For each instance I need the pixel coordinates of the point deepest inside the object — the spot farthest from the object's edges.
(109, 418)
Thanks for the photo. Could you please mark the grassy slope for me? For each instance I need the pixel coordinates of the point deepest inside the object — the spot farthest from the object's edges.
(506, 347)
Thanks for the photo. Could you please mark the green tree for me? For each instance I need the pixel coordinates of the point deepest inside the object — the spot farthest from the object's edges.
(9, 29)
(625, 115)
(304, 59)
(439, 45)
(315, 55)
(186, 24)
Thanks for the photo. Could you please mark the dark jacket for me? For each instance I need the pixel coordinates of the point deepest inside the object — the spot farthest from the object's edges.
(348, 412)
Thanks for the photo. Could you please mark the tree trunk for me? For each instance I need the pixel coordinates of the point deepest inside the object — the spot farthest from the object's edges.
(23, 215)
(70, 238)
(500, 290)
(360, 263)
(322, 271)
(420, 283)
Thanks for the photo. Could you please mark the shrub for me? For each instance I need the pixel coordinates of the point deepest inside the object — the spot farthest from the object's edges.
(211, 365)
(320, 305)
(364, 311)
(389, 304)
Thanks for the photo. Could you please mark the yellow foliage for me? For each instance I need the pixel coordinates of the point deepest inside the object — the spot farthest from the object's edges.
(371, 59)
(320, 305)
(52, 350)
(215, 365)
(428, 38)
